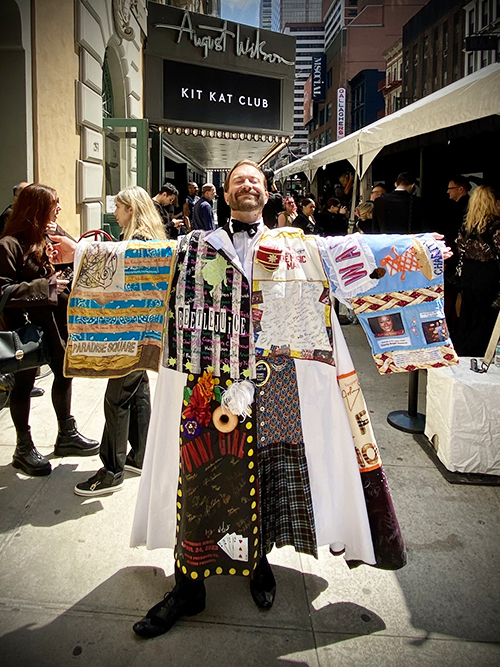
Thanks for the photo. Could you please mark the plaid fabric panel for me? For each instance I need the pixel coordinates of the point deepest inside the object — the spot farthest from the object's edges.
(287, 516)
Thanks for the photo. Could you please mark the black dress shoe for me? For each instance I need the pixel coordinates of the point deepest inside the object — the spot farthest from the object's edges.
(37, 391)
(263, 585)
(166, 613)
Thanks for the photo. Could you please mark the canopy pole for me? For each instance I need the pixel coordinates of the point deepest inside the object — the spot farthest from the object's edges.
(350, 228)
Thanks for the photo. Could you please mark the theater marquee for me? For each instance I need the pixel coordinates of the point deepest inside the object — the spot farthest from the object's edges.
(215, 97)
(204, 72)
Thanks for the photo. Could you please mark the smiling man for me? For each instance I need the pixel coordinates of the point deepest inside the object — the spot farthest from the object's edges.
(241, 455)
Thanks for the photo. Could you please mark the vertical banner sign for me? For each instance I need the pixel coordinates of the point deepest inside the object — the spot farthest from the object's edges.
(318, 77)
(340, 113)
(308, 102)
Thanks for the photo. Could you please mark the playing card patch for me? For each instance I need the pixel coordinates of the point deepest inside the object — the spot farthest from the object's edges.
(235, 546)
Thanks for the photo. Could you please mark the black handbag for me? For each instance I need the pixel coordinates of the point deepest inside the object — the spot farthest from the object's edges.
(24, 348)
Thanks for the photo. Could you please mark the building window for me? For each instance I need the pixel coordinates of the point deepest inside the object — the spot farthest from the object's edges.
(108, 110)
(407, 71)
(484, 13)
(424, 65)
(470, 63)
(321, 117)
(328, 136)
(470, 22)
(456, 42)
(329, 78)
(328, 112)
(415, 72)
(435, 51)
(445, 53)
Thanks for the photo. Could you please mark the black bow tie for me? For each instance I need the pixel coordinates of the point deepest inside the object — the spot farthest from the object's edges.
(238, 226)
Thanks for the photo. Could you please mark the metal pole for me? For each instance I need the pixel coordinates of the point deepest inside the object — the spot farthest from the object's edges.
(409, 421)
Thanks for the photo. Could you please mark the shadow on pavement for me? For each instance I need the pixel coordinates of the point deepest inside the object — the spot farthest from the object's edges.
(20, 493)
(97, 630)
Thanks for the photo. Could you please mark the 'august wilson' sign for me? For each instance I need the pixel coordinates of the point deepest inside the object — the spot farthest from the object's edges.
(217, 39)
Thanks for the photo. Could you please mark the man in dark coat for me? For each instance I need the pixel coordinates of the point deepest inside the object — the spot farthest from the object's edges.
(400, 211)
(203, 214)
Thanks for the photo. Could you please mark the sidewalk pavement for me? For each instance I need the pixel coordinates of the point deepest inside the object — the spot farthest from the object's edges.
(71, 588)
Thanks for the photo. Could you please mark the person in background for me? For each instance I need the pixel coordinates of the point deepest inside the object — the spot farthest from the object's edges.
(203, 214)
(16, 191)
(333, 221)
(400, 211)
(478, 246)
(286, 217)
(364, 220)
(223, 210)
(163, 202)
(274, 205)
(346, 184)
(378, 190)
(39, 290)
(450, 225)
(305, 219)
(191, 200)
(127, 402)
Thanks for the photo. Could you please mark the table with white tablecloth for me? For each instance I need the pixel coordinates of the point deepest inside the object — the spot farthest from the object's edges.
(463, 417)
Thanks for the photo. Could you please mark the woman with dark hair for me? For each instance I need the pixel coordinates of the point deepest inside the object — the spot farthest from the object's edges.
(305, 219)
(25, 262)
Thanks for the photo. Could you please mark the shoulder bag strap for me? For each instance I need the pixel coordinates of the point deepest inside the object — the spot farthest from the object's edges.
(5, 296)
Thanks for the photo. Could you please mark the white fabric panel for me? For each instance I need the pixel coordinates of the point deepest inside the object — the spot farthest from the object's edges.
(155, 511)
(340, 514)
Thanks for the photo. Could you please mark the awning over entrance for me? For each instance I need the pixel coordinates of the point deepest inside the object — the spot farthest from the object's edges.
(474, 97)
(220, 153)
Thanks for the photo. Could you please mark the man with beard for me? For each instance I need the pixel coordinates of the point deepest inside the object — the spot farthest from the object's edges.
(251, 337)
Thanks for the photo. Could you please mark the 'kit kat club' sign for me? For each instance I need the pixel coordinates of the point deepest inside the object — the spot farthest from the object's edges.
(207, 95)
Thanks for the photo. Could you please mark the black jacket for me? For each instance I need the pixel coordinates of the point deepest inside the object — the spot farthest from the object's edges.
(398, 212)
(35, 293)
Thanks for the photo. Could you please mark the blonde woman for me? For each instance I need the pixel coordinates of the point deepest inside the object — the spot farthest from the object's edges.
(286, 217)
(127, 404)
(478, 246)
(364, 222)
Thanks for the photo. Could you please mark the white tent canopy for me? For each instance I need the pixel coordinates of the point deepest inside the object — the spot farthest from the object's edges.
(471, 98)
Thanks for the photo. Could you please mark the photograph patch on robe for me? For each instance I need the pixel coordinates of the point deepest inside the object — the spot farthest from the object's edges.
(116, 310)
(402, 311)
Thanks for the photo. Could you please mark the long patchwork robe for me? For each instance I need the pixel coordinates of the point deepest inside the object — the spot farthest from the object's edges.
(302, 467)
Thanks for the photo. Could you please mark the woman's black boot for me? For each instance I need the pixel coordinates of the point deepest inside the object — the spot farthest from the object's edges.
(27, 458)
(71, 443)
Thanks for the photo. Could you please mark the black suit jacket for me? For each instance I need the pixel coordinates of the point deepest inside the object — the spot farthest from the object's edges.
(398, 212)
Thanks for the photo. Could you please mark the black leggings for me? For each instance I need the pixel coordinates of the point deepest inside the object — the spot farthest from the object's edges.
(20, 400)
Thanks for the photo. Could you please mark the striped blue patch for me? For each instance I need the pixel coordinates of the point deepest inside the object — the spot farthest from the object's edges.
(125, 335)
(131, 319)
(117, 304)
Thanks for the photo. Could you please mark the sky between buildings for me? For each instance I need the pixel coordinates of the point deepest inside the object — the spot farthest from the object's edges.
(241, 11)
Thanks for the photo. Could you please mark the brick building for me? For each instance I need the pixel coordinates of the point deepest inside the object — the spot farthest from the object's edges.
(357, 32)
(433, 48)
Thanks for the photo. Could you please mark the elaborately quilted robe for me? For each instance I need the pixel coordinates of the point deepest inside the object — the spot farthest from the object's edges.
(302, 466)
